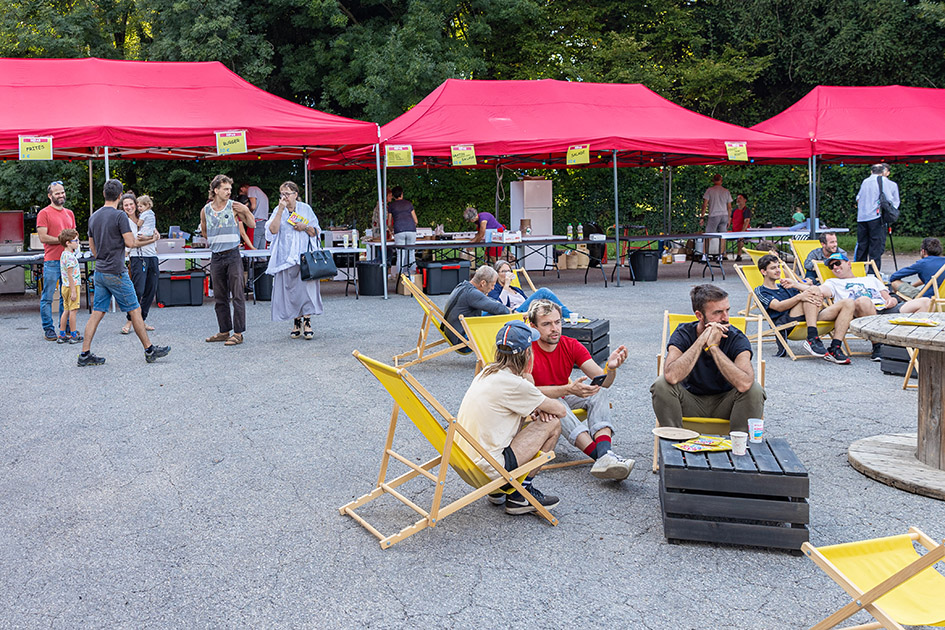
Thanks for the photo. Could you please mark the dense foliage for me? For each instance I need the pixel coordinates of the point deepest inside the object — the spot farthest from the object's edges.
(737, 60)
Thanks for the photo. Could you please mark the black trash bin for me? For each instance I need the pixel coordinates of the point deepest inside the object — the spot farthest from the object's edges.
(371, 277)
(645, 263)
(262, 283)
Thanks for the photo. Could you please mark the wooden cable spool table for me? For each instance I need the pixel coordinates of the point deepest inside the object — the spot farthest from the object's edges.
(915, 465)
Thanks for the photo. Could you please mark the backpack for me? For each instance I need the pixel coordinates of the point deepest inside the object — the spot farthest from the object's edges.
(889, 212)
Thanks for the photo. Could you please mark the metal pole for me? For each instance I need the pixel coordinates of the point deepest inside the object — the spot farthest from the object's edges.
(308, 174)
(107, 172)
(91, 194)
(617, 220)
(812, 168)
(382, 195)
(669, 206)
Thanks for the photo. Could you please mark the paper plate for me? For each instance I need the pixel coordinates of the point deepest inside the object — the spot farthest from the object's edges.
(674, 433)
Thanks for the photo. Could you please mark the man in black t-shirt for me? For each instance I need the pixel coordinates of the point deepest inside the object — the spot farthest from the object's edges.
(788, 301)
(707, 371)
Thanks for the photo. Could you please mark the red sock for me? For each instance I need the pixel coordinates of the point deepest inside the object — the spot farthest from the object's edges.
(590, 448)
(601, 445)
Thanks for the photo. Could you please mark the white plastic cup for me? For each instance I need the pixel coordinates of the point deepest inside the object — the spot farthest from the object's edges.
(573, 318)
(756, 430)
(739, 442)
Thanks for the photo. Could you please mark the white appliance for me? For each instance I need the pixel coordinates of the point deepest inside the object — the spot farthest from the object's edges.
(531, 199)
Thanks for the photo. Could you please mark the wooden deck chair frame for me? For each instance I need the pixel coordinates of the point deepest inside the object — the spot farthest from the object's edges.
(938, 301)
(794, 331)
(801, 248)
(517, 282)
(433, 317)
(698, 423)
(892, 588)
(481, 332)
(412, 399)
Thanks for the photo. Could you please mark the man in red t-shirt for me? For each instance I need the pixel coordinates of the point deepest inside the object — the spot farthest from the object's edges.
(555, 357)
(50, 221)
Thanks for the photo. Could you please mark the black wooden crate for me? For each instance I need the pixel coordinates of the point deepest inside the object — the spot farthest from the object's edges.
(593, 335)
(895, 360)
(759, 499)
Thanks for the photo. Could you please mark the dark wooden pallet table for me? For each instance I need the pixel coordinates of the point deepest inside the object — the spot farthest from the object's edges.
(757, 499)
(593, 335)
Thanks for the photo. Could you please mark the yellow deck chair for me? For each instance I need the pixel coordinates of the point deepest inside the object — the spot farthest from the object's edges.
(795, 331)
(887, 578)
(433, 318)
(938, 304)
(410, 397)
(481, 332)
(517, 280)
(786, 272)
(801, 248)
(713, 426)
(859, 269)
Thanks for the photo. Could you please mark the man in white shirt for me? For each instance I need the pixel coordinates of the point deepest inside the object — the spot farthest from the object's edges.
(259, 205)
(716, 208)
(871, 230)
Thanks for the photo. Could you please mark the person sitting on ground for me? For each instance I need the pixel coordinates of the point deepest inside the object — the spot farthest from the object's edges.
(514, 297)
(828, 247)
(870, 295)
(556, 356)
(927, 266)
(470, 299)
(707, 371)
(510, 417)
(788, 301)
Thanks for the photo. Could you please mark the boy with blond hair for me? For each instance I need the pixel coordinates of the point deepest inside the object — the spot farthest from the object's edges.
(69, 285)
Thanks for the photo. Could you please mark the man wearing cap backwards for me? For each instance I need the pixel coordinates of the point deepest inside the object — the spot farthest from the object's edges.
(869, 294)
(707, 371)
(510, 417)
(556, 356)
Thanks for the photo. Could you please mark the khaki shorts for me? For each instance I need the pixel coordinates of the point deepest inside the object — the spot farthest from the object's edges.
(908, 290)
(68, 303)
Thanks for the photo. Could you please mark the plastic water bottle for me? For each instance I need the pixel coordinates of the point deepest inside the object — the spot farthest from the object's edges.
(580, 232)
(570, 232)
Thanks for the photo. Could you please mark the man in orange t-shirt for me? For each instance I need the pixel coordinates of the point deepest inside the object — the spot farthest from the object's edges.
(50, 221)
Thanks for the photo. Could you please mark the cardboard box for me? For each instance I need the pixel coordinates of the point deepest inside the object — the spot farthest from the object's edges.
(581, 257)
(416, 278)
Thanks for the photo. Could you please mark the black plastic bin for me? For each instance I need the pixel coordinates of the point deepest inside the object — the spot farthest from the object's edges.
(645, 263)
(442, 276)
(371, 276)
(262, 283)
(180, 288)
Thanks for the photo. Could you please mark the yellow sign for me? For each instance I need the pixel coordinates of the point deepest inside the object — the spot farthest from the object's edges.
(737, 151)
(230, 142)
(399, 155)
(36, 148)
(579, 154)
(463, 154)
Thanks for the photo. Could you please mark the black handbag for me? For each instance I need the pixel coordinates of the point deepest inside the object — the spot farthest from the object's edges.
(317, 264)
(890, 213)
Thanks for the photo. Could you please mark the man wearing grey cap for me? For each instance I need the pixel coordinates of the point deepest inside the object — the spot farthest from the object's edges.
(510, 417)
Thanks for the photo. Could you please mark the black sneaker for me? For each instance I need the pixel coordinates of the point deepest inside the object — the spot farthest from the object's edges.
(876, 354)
(782, 351)
(836, 355)
(50, 335)
(815, 346)
(515, 503)
(89, 359)
(155, 353)
(497, 498)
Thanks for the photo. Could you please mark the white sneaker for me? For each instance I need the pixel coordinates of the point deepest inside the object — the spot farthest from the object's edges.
(612, 466)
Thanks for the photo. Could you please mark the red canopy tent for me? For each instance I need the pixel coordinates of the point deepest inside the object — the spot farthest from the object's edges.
(158, 110)
(531, 124)
(864, 124)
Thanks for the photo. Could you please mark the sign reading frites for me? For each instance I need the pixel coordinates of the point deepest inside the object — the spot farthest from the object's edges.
(399, 155)
(737, 151)
(463, 154)
(579, 154)
(230, 142)
(36, 148)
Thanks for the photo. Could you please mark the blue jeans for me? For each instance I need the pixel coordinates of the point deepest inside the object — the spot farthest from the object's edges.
(543, 294)
(109, 285)
(50, 282)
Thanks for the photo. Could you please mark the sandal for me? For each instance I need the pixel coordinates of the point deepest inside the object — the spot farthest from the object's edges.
(126, 329)
(308, 333)
(148, 327)
(235, 340)
(220, 336)
(296, 328)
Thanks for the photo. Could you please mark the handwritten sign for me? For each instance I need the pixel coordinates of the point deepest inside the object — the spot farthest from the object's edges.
(463, 155)
(230, 142)
(579, 154)
(36, 148)
(737, 151)
(399, 155)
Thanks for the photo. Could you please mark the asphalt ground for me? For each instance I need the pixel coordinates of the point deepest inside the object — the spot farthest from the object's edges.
(203, 490)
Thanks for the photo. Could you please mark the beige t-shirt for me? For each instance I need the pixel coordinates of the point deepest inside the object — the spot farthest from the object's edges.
(492, 411)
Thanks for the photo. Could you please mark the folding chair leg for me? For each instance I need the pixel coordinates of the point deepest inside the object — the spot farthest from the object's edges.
(656, 453)
(913, 364)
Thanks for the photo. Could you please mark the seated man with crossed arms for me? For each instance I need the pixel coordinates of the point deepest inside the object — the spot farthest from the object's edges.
(707, 371)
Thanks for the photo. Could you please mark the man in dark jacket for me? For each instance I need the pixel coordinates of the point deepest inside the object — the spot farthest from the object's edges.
(470, 299)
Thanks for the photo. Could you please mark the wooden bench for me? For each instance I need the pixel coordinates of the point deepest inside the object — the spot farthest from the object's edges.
(759, 499)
